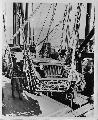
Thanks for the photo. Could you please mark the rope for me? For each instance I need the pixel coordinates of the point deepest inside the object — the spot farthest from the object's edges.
(44, 22)
(30, 70)
(76, 32)
(67, 20)
(50, 32)
(52, 19)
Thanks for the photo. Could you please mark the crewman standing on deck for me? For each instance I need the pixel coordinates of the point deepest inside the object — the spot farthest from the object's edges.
(89, 78)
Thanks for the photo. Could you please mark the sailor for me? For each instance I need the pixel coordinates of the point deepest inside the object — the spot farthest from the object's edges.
(89, 79)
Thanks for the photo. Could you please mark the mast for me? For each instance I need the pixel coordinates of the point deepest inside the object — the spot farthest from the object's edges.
(18, 22)
(88, 16)
(33, 30)
(87, 28)
(14, 22)
(26, 26)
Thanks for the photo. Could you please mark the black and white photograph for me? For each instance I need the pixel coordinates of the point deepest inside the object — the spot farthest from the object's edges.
(48, 59)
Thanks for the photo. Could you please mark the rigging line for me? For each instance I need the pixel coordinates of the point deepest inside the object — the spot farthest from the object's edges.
(68, 20)
(76, 23)
(77, 19)
(50, 32)
(68, 23)
(64, 20)
(25, 22)
(4, 29)
(44, 23)
(76, 33)
(94, 18)
(54, 9)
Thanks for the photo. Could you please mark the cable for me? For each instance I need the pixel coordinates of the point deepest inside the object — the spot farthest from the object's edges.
(44, 23)
(54, 9)
(64, 20)
(48, 33)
